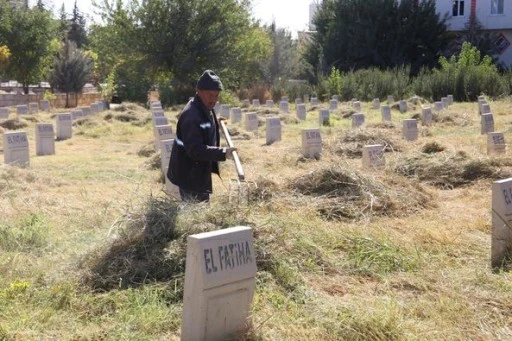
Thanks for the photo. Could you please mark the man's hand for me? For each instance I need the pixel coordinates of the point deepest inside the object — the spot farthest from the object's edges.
(229, 152)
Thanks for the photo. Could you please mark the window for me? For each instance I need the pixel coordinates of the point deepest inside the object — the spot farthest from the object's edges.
(497, 6)
(458, 8)
(501, 43)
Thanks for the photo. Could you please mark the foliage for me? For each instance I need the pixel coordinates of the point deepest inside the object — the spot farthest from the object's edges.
(26, 32)
(334, 82)
(5, 54)
(77, 28)
(29, 234)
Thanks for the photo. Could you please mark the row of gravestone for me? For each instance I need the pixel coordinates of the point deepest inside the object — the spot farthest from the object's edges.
(16, 143)
(26, 109)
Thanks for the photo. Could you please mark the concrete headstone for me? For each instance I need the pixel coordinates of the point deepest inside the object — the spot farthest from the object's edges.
(256, 103)
(16, 148)
(438, 106)
(501, 240)
(162, 133)
(224, 111)
(356, 105)
(235, 116)
(33, 108)
(314, 101)
(160, 121)
(324, 116)
(301, 112)
(64, 126)
(410, 129)
(298, 101)
(335, 97)
(283, 106)
(426, 116)
(273, 129)
(357, 120)
(496, 143)
(311, 143)
(373, 156)
(445, 102)
(450, 99)
(22, 109)
(45, 139)
(402, 106)
(4, 113)
(333, 104)
(391, 99)
(486, 123)
(269, 103)
(376, 103)
(246, 103)
(44, 105)
(251, 121)
(385, 112)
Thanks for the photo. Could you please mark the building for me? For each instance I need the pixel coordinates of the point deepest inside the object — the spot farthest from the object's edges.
(495, 16)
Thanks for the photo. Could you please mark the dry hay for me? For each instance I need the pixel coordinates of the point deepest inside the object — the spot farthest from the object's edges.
(154, 161)
(263, 191)
(147, 150)
(347, 113)
(432, 147)
(444, 118)
(14, 179)
(450, 170)
(147, 248)
(235, 134)
(13, 124)
(341, 193)
(382, 125)
(352, 142)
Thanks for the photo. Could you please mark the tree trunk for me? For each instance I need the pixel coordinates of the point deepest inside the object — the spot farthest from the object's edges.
(67, 99)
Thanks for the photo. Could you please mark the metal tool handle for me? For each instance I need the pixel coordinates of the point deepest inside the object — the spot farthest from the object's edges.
(238, 164)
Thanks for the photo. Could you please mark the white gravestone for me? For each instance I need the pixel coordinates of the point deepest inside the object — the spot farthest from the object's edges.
(410, 129)
(160, 121)
(93, 108)
(324, 116)
(273, 129)
(45, 139)
(246, 103)
(284, 98)
(165, 156)
(251, 121)
(335, 97)
(283, 106)
(486, 123)
(44, 105)
(450, 99)
(403, 106)
(16, 149)
(333, 104)
(33, 108)
(373, 156)
(438, 106)
(480, 103)
(158, 113)
(77, 114)
(64, 126)
(86, 111)
(385, 112)
(220, 278)
(256, 103)
(496, 143)
(391, 99)
(311, 143)
(426, 116)
(445, 102)
(235, 116)
(301, 112)
(298, 101)
(22, 109)
(314, 101)
(306, 99)
(4, 113)
(162, 133)
(486, 109)
(156, 104)
(269, 103)
(357, 120)
(356, 105)
(376, 103)
(224, 111)
(501, 241)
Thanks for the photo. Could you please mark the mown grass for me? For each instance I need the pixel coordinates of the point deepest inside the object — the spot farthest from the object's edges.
(91, 248)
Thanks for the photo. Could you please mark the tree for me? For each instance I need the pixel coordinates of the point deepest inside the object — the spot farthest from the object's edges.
(355, 34)
(71, 70)
(27, 33)
(77, 31)
(63, 27)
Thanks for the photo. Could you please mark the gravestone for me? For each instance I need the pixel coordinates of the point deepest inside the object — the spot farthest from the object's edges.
(373, 156)
(44, 105)
(155, 105)
(251, 121)
(496, 143)
(385, 112)
(4, 113)
(217, 107)
(165, 155)
(64, 126)
(324, 116)
(486, 123)
(311, 143)
(224, 111)
(335, 97)
(314, 101)
(501, 241)
(480, 103)
(410, 129)
(77, 114)
(450, 99)
(86, 111)
(438, 106)
(256, 103)
(298, 101)
(284, 99)
(33, 108)
(162, 133)
(426, 116)
(16, 148)
(357, 120)
(306, 99)
(391, 99)
(220, 278)
(486, 109)
(283, 106)
(301, 112)
(22, 109)
(403, 106)
(246, 103)
(45, 139)
(157, 113)
(356, 105)
(376, 103)
(333, 104)
(269, 103)
(273, 129)
(235, 116)
(445, 102)
(160, 121)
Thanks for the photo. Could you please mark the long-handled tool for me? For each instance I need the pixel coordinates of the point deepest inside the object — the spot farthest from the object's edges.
(240, 185)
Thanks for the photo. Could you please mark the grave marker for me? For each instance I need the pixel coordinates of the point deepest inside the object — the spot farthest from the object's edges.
(64, 126)
(314, 101)
(486, 109)
(165, 156)
(224, 111)
(486, 123)
(86, 111)
(450, 99)
(298, 101)
(335, 97)
(357, 120)
(22, 109)
(410, 129)
(391, 99)
(324, 116)
(160, 121)
(235, 115)
(157, 113)
(357, 106)
(445, 102)
(284, 98)
(256, 103)
(4, 113)
(77, 114)
(269, 103)
(273, 129)
(496, 143)
(33, 108)
(385, 112)
(283, 106)
(373, 156)
(45, 139)
(438, 106)
(301, 112)
(162, 133)
(220, 280)
(311, 143)
(403, 106)
(426, 116)
(44, 105)
(333, 104)
(501, 241)
(16, 149)
(376, 103)
(246, 103)
(251, 121)
(306, 99)
(217, 107)
(480, 103)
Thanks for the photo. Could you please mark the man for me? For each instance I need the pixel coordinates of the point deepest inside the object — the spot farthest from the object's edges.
(196, 152)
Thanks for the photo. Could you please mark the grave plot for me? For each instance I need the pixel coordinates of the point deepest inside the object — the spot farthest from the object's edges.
(351, 143)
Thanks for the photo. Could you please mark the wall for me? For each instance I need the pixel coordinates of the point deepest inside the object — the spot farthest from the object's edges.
(84, 99)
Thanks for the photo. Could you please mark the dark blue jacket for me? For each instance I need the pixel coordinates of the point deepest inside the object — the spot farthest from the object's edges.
(196, 152)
